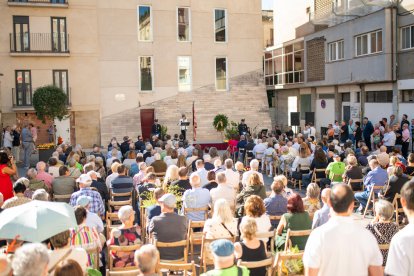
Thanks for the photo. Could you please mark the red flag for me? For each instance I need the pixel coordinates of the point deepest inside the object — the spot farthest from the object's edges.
(194, 125)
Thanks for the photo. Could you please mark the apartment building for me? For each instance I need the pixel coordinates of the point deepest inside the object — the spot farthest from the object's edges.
(351, 61)
(125, 63)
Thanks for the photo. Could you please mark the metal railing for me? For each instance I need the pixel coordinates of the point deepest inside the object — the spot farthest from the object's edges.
(23, 97)
(39, 43)
(40, 1)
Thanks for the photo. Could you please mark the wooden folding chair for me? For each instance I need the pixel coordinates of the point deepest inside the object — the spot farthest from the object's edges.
(143, 219)
(264, 263)
(120, 196)
(293, 233)
(187, 269)
(116, 205)
(123, 273)
(248, 157)
(194, 238)
(268, 235)
(94, 253)
(316, 179)
(385, 246)
(397, 209)
(281, 259)
(192, 210)
(62, 198)
(371, 198)
(125, 249)
(110, 219)
(334, 176)
(160, 176)
(182, 243)
(350, 181)
(206, 256)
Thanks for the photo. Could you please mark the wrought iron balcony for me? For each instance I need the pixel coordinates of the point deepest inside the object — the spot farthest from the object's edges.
(22, 98)
(39, 43)
(39, 3)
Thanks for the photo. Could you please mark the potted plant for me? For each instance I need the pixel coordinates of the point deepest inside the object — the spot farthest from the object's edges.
(220, 123)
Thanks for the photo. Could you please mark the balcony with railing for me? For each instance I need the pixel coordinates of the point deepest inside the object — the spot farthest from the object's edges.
(29, 44)
(22, 98)
(39, 3)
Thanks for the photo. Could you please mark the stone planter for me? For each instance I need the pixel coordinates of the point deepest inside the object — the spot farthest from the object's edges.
(45, 154)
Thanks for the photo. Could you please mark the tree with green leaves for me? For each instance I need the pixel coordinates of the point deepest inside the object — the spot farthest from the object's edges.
(50, 102)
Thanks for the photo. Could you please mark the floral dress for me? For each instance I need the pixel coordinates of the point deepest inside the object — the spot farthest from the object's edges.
(383, 232)
(311, 205)
(125, 237)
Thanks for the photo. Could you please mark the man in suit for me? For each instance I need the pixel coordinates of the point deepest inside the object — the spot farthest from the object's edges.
(156, 128)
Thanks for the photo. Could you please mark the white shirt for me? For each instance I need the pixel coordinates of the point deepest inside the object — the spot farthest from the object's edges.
(202, 173)
(401, 254)
(109, 179)
(94, 221)
(78, 254)
(389, 139)
(342, 246)
(247, 174)
(8, 140)
(224, 191)
(312, 131)
(263, 225)
(259, 149)
(233, 178)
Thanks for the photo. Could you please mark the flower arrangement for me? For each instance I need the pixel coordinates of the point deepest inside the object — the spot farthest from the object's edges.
(150, 198)
(293, 266)
(46, 146)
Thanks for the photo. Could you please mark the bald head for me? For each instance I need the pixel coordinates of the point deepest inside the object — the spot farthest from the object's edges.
(325, 195)
(342, 199)
(383, 149)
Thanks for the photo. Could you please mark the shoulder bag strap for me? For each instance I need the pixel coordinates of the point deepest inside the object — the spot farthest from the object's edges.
(231, 234)
(239, 271)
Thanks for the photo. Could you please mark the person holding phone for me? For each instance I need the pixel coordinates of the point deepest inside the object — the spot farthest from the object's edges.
(7, 169)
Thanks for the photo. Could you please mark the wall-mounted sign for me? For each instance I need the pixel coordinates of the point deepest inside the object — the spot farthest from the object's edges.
(323, 104)
(354, 111)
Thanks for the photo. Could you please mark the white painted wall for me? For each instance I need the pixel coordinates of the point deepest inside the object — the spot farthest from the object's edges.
(407, 108)
(63, 129)
(376, 111)
(324, 116)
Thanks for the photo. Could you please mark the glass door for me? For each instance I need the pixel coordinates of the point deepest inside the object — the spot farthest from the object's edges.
(23, 88)
(21, 33)
(59, 43)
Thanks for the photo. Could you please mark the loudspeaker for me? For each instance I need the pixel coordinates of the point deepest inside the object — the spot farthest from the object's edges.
(294, 118)
(310, 118)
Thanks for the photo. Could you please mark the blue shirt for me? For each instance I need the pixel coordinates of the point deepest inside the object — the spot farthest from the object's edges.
(376, 177)
(275, 206)
(196, 198)
(321, 216)
(133, 170)
(26, 135)
(96, 206)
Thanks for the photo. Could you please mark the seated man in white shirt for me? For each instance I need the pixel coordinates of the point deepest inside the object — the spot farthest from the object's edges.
(202, 172)
(223, 190)
(92, 219)
(401, 254)
(254, 168)
(233, 178)
(342, 246)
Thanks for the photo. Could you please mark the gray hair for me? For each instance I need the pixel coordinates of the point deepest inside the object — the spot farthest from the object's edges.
(195, 180)
(384, 209)
(146, 258)
(30, 260)
(221, 177)
(72, 162)
(41, 166)
(40, 194)
(125, 213)
(24, 181)
(222, 211)
(31, 173)
(228, 163)
(99, 160)
(90, 158)
(254, 164)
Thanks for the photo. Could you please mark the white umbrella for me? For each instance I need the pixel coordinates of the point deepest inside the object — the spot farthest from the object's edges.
(36, 221)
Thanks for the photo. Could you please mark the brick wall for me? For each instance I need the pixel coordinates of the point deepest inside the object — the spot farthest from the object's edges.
(315, 59)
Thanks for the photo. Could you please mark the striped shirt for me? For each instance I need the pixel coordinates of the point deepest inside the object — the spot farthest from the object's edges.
(87, 238)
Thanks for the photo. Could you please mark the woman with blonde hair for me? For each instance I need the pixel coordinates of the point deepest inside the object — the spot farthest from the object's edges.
(251, 249)
(393, 160)
(311, 202)
(286, 191)
(171, 175)
(223, 224)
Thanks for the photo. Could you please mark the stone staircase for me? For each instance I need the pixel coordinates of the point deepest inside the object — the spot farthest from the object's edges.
(246, 98)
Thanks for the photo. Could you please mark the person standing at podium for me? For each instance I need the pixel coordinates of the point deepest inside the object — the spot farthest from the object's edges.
(183, 127)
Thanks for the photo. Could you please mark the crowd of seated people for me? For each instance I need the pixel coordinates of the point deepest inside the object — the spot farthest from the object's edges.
(163, 186)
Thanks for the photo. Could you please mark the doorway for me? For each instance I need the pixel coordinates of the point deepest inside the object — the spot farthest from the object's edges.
(147, 119)
(346, 109)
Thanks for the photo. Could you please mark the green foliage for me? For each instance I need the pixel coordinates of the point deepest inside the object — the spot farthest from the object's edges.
(164, 130)
(150, 198)
(220, 122)
(294, 266)
(231, 130)
(50, 102)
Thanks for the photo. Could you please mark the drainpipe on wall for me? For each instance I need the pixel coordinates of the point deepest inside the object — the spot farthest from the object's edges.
(394, 65)
(362, 101)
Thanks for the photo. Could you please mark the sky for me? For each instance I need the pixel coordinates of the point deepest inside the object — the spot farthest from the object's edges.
(267, 4)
